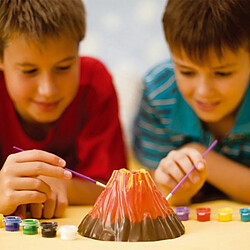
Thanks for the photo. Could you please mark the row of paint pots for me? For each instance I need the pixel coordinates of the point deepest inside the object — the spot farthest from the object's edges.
(30, 226)
(203, 213)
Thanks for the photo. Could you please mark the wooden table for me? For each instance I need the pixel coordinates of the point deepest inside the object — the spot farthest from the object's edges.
(212, 234)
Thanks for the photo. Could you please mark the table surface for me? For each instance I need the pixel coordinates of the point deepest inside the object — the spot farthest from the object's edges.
(212, 234)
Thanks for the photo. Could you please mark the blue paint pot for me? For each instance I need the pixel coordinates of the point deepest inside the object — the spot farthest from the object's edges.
(245, 214)
(12, 223)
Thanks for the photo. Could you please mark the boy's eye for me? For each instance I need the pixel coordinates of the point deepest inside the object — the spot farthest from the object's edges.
(63, 67)
(223, 73)
(30, 71)
(187, 73)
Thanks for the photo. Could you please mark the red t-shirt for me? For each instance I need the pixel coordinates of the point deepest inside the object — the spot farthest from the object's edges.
(88, 135)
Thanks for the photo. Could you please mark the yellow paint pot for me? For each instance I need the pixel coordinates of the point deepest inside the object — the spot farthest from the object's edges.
(1, 220)
(225, 214)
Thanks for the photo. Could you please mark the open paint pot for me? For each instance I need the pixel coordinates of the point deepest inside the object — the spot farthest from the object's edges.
(1, 220)
(245, 214)
(30, 226)
(225, 214)
(12, 223)
(182, 213)
(68, 232)
(48, 229)
(203, 213)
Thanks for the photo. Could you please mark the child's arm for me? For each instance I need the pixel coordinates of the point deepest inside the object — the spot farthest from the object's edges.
(227, 175)
(19, 182)
(230, 177)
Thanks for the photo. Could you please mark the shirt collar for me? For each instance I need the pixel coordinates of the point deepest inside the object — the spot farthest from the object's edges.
(185, 121)
(242, 124)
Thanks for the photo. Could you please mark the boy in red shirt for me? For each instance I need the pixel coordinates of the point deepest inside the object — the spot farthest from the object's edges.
(62, 105)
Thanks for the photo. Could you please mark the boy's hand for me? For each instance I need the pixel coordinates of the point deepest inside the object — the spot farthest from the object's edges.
(176, 165)
(19, 182)
(56, 203)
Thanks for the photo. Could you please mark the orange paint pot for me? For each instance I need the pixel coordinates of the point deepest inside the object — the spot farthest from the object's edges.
(203, 213)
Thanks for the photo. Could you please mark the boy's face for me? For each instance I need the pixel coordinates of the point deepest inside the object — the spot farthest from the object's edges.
(42, 79)
(214, 90)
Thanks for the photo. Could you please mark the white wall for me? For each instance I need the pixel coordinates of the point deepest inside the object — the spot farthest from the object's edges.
(127, 36)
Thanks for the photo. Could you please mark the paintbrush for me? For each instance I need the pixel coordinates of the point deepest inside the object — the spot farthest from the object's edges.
(186, 176)
(75, 173)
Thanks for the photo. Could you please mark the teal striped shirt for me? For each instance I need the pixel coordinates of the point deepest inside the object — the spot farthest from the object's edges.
(166, 122)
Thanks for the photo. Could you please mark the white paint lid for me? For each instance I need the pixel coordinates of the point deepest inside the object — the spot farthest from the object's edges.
(68, 232)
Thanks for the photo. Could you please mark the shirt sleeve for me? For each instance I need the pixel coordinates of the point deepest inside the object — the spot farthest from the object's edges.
(151, 137)
(100, 144)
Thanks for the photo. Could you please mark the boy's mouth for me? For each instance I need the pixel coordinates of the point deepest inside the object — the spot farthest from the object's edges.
(47, 106)
(207, 106)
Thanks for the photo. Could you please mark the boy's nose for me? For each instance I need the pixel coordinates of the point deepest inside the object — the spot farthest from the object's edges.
(47, 86)
(205, 87)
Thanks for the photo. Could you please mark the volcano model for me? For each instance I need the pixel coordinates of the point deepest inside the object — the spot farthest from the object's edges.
(131, 208)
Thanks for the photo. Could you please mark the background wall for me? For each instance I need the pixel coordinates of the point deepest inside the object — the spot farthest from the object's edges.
(127, 36)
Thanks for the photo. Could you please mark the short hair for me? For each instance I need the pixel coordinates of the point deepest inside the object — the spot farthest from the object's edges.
(197, 26)
(36, 19)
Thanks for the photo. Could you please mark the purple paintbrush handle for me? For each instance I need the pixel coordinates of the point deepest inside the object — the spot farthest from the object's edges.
(81, 175)
(86, 178)
(17, 148)
(182, 180)
(186, 176)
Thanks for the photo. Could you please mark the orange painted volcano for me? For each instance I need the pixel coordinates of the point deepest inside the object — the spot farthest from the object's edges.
(131, 208)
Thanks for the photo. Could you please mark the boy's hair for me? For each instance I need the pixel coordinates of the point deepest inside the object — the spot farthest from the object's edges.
(197, 26)
(36, 19)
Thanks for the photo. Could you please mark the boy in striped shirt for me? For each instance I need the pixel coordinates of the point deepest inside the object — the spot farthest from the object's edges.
(202, 94)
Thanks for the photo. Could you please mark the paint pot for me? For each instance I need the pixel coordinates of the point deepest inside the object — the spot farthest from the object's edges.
(245, 214)
(12, 223)
(203, 213)
(225, 214)
(48, 229)
(1, 220)
(30, 226)
(68, 232)
(182, 213)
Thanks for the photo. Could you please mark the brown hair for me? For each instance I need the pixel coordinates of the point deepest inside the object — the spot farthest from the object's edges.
(36, 19)
(197, 26)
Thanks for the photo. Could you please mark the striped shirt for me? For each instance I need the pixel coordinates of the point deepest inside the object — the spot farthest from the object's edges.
(166, 122)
